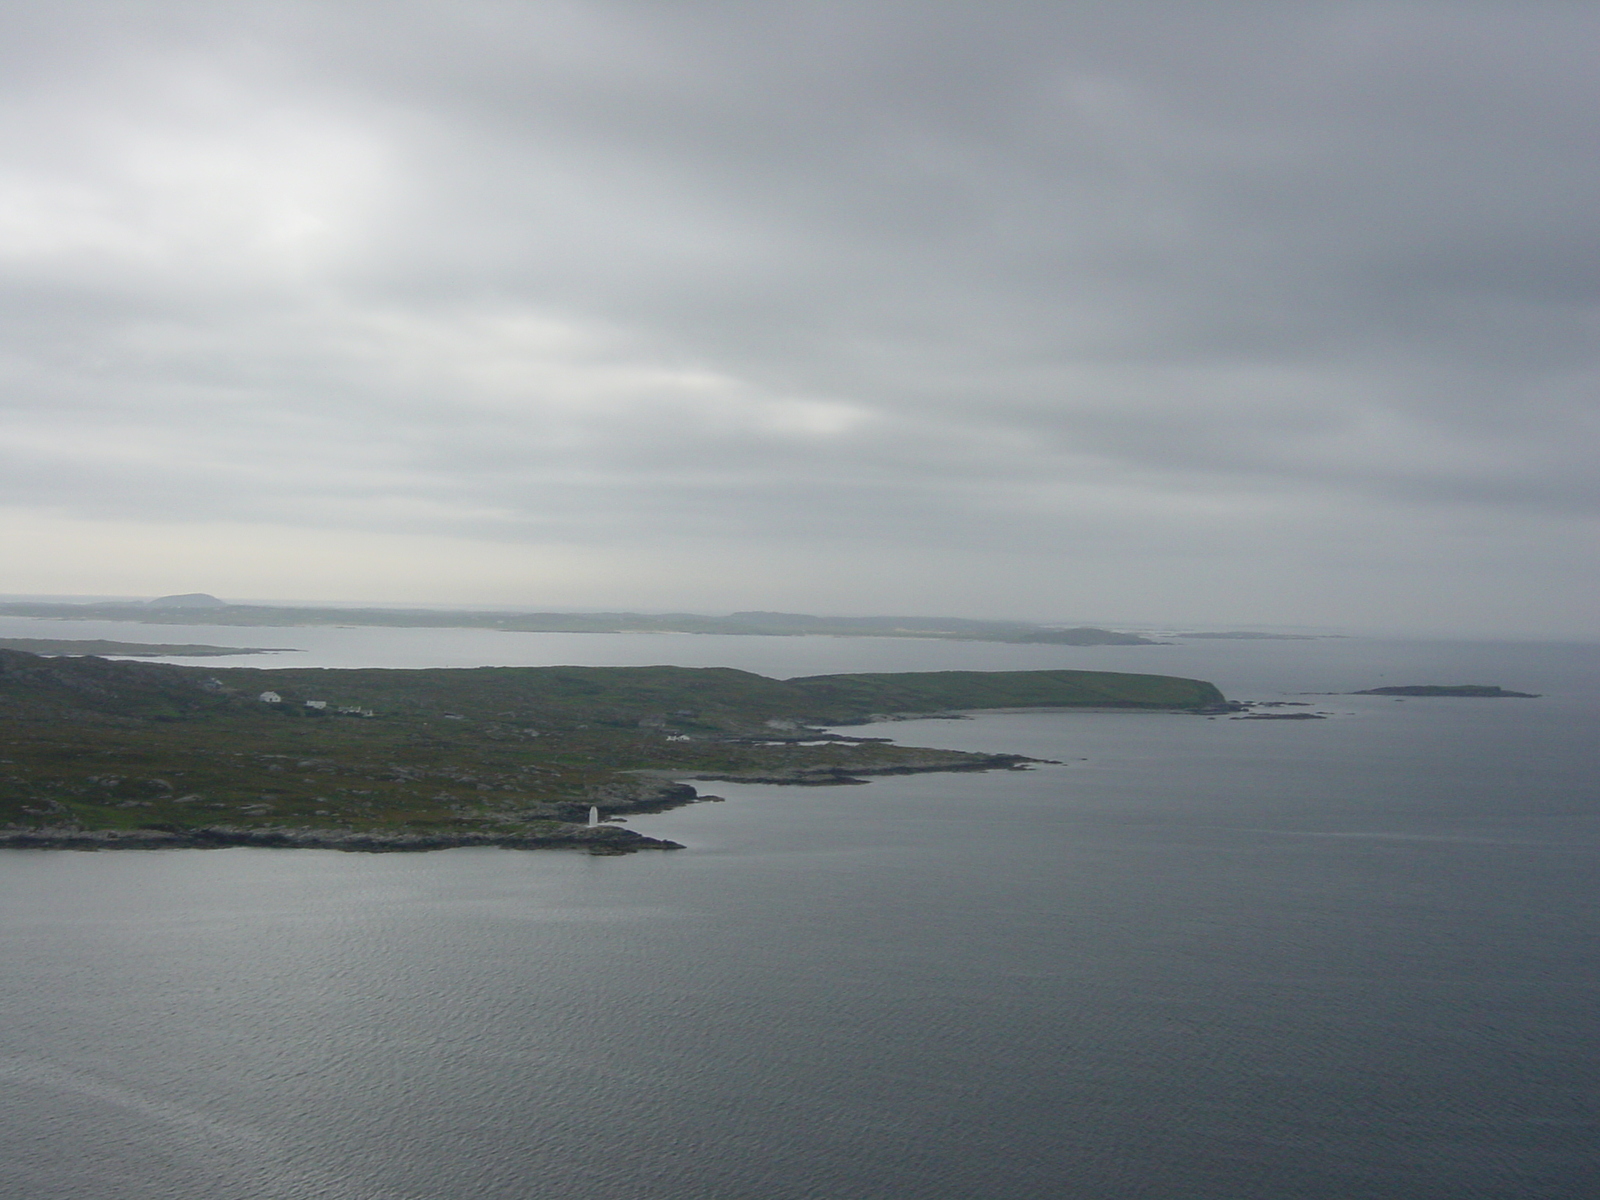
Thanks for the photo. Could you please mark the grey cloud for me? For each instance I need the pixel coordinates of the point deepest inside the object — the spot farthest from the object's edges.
(754, 271)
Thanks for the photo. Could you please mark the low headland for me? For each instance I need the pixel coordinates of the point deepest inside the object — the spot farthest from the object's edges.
(106, 754)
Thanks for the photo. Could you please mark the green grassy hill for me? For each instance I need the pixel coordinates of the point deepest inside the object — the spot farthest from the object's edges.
(929, 691)
(711, 698)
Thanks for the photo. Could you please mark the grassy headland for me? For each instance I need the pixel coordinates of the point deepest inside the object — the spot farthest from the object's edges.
(99, 752)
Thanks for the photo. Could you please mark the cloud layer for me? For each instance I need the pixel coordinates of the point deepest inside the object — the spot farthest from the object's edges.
(1249, 312)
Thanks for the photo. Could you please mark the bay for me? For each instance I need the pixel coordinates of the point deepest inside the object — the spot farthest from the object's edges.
(1195, 958)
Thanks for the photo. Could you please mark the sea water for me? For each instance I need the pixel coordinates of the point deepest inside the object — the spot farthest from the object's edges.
(1190, 959)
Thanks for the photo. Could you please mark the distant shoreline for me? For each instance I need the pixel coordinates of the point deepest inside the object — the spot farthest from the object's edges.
(100, 648)
(760, 624)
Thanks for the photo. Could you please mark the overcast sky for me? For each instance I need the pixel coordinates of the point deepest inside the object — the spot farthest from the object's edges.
(1219, 313)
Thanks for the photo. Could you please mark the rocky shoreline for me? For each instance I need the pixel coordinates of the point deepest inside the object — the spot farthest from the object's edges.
(595, 839)
(657, 792)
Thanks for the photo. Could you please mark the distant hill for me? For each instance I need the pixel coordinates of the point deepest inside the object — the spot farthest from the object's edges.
(187, 600)
(181, 610)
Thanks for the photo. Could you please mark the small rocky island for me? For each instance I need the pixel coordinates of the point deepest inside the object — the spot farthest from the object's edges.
(102, 754)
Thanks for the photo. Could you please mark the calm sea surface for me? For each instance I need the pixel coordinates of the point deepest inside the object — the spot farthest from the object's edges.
(1341, 959)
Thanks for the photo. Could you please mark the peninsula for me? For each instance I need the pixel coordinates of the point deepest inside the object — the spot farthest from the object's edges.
(103, 754)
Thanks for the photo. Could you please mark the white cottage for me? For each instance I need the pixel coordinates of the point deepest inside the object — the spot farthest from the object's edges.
(270, 698)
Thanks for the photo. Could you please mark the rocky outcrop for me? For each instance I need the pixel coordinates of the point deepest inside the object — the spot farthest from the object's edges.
(640, 793)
